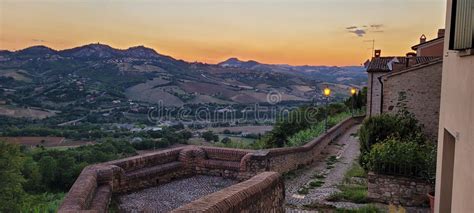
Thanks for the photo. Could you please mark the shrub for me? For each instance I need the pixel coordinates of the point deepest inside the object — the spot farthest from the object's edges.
(352, 193)
(376, 129)
(210, 136)
(226, 140)
(303, 118)
(407, 158)
(304, 136)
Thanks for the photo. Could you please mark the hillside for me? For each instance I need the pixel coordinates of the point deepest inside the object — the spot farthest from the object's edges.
(97, 76)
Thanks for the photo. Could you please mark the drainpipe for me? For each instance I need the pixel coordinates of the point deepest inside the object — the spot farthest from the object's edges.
(371, 93)
(381, 94)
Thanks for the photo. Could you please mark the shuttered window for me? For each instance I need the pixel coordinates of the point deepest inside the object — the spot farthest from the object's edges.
(462, 25)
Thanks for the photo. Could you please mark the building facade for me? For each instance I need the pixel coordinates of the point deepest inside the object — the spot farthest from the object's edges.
(455, 162)
(417, 90)
(411, 82)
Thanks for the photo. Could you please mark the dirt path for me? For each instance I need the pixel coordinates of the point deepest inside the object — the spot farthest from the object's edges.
(333, 163)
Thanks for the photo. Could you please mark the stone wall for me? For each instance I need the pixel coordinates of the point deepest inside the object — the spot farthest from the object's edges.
(264, 192)
(94, 187)
(421, 87)
(374, 89)
(398, 190)
(283, 160)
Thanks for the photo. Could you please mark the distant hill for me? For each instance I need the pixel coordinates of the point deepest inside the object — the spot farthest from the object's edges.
(96, 75)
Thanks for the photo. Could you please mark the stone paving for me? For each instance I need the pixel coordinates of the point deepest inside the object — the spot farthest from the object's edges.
(172, 195)
(346, 150)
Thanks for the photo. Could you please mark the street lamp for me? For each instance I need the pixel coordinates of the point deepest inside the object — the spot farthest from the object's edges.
(327, 93)
(353, 92)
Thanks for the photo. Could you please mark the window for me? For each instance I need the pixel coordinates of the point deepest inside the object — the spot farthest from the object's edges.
(462, 25)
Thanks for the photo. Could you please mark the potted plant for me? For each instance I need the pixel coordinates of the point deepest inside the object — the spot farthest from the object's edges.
(431, 197)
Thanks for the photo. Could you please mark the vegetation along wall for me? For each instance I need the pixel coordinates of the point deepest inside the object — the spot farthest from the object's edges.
(95, 186)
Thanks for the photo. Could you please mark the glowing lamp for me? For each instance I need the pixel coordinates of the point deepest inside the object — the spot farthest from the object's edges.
(327, 92)
(353, 91)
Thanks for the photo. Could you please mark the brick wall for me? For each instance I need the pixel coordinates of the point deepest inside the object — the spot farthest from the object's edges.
(398, 190)
(94, 187)
(264, 192)
(422, 89)
(287, 159)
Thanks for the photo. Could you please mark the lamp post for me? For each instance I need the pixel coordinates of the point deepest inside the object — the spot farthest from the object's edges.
(353, 92)
(327, 93)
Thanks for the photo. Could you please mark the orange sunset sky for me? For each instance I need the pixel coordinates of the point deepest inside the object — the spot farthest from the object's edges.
(314, 32)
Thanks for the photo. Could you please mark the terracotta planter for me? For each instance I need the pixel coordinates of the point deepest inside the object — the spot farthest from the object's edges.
(432, 201)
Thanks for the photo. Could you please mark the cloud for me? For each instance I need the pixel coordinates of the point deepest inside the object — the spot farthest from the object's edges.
(376, 26)
(38, 40)
(362, 30)
(358, 32)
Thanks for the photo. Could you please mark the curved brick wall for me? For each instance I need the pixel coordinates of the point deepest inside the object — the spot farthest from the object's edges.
(264, 192)
(94, 187)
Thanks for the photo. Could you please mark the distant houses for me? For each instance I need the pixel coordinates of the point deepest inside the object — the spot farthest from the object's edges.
(411, 82)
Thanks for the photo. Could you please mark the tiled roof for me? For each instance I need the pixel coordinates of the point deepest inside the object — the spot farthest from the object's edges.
(380, 64)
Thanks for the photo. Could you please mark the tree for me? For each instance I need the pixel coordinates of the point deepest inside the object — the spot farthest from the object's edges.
(12, 195)
(48, 168)
(31, 173)
(186, 134)
(210, 136)
(226, 140)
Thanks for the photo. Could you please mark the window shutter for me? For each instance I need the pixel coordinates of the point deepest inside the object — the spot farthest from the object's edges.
(462, 32)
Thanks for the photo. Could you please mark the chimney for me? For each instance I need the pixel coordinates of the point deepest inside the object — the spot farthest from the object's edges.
(440, 33)
(378, 53)
(411, 54)
(422, 39)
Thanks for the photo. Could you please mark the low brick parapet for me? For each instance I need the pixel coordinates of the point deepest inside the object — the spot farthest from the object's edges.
(97, 183)
(264, 192)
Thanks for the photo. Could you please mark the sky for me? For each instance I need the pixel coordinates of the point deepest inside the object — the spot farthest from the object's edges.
(297, 32)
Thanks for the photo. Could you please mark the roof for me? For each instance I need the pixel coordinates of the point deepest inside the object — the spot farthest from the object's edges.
(414, 68)
(380, 64)
(428, 42)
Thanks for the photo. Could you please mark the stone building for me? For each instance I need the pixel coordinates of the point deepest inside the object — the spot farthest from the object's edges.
(455, 165)
(411, 82)
(418, 90)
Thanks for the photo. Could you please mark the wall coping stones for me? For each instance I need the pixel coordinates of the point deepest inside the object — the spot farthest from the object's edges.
(239, 197)
(164, 166)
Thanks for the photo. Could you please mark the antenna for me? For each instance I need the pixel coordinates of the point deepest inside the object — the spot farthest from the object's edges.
(373, 45)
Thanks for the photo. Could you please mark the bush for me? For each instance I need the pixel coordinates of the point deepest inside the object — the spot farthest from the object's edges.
(407, 158)
(210, 136)
(297, 120)
(352, 193)
(376, 129)
(304, 136)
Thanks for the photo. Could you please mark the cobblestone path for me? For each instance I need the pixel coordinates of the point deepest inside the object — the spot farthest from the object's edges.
(172, 195)
(333, 163)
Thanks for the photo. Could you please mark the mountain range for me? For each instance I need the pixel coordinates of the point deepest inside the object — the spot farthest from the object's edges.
(96, 74)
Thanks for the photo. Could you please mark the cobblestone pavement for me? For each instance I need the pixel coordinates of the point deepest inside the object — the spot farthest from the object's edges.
(345, 149)
(172, 195)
